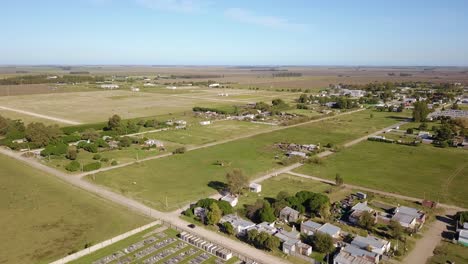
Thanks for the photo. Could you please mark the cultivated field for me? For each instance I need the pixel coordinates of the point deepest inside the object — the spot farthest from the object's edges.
(184, 178)
(424, 171)
(44, 219)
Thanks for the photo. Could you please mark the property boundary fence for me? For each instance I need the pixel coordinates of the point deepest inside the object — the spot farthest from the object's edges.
(104, 244)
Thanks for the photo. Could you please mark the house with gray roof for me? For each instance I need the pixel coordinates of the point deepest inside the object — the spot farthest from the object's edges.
(409, 217)
(354, 255)
(310, 227)
(372, 243)
(357, 210)
(330, 229)
(463, 237)
(287, 214)
(265, 227)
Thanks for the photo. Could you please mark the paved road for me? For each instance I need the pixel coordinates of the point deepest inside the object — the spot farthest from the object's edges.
(61, 120)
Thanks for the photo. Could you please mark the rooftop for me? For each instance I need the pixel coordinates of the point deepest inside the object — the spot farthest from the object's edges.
(236, 221)
(372, 241)
(311, 224)
(329, 229)
(361, 207)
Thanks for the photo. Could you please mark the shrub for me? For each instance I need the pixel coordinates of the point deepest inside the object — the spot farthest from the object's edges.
(73, 166)
(180, 150)
(104, 159)
(56, 150)
(93, 148)
(72, 154)
(114, 162)
(96, 157)
(92, 166)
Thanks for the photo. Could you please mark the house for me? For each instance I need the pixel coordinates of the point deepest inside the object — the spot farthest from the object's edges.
(109, 86)
(409, 217)
(240, 225)
(171, 87)
(205, 123)
(353, 255)
(330, 104)
(463, 237)
(357, 210)
(310, 227)
(231, 199)
(214, 85)
(330, 229)
(372, 243)
(180, 122)
(149, 84)
(291, 242)
(19, 141)
(287, 214)
(255, 187)
(154, 143)
(303, 249)
(135, 89)
(265, 227)
(424, 135)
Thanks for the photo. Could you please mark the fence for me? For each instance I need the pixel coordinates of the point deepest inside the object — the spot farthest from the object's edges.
(104, 244)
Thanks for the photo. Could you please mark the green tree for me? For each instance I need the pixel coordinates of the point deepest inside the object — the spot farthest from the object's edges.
(366, 220)
(42, 135)
(237, 181)
(228, 228)
(271, 243)
(395, 229)
(125, 142)
(72, 154)
(409, 131)
(73, 166)
(114, 122)
(322, 243)
(90, 134)
(214, 214)
(420, 111)
(338, 180)
(267, 214)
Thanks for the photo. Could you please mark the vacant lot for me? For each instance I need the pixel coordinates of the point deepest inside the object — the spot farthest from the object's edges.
(197, 134)
(447, 252)
(44, 219)
(88, 107)
(184, 178)
(424, 171)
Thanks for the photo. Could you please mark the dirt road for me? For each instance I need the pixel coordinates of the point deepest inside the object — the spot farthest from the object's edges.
(61, 120)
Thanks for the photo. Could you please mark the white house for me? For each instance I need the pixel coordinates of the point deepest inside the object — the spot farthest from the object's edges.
(214, 85)
(171, 87)
(205, 123)
(135, 89)
(231, 199)
(255, 187)
(354, 255)
(240, 225)
(463, 237)
(310, 227)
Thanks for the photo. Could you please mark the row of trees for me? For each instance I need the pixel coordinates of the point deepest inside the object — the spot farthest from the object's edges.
(36, 79)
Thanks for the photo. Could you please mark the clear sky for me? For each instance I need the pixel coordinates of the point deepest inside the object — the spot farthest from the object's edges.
(241, 32)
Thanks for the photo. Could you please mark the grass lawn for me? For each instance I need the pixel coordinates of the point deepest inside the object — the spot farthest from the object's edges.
(185, 178)
(197, 134)
(424, 171)
(43, 219)
(447, 251)
(292, 185)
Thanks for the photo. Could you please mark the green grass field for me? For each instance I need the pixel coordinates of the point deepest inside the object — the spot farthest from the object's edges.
(44, 219)
(197, 134)
(184, 178)
(447, 251)
(424, 171)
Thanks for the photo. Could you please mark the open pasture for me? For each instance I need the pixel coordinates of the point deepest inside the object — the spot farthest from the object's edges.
(87, 107)
(180, 179)
(44, 219)
(424, 171)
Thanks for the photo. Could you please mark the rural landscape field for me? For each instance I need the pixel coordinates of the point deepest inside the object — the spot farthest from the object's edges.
(205, 132)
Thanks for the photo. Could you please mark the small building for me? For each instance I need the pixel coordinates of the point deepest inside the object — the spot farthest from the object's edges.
(297, 154)
(409, 217)
(330, 229)
(200, 212)
(19, 141)
(424, 135)
(135, 89)
(372, 243)
(240, 225)
(171, 87)
(287, 214)
(205, 123)
(214, 85)
(463, 237)
(265, 227)
(429, 204)
(361, 195)
(357, 210)
(231, 199)
(154, 143)
(310, 227)
(109, 86)
(255, 187)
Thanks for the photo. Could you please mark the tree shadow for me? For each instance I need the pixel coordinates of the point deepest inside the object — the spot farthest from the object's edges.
(399, 118)
(221, 187)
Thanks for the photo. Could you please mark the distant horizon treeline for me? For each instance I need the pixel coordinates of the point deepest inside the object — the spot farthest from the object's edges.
(38, 79)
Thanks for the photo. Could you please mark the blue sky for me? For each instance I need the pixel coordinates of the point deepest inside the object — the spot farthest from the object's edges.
(242, 32)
